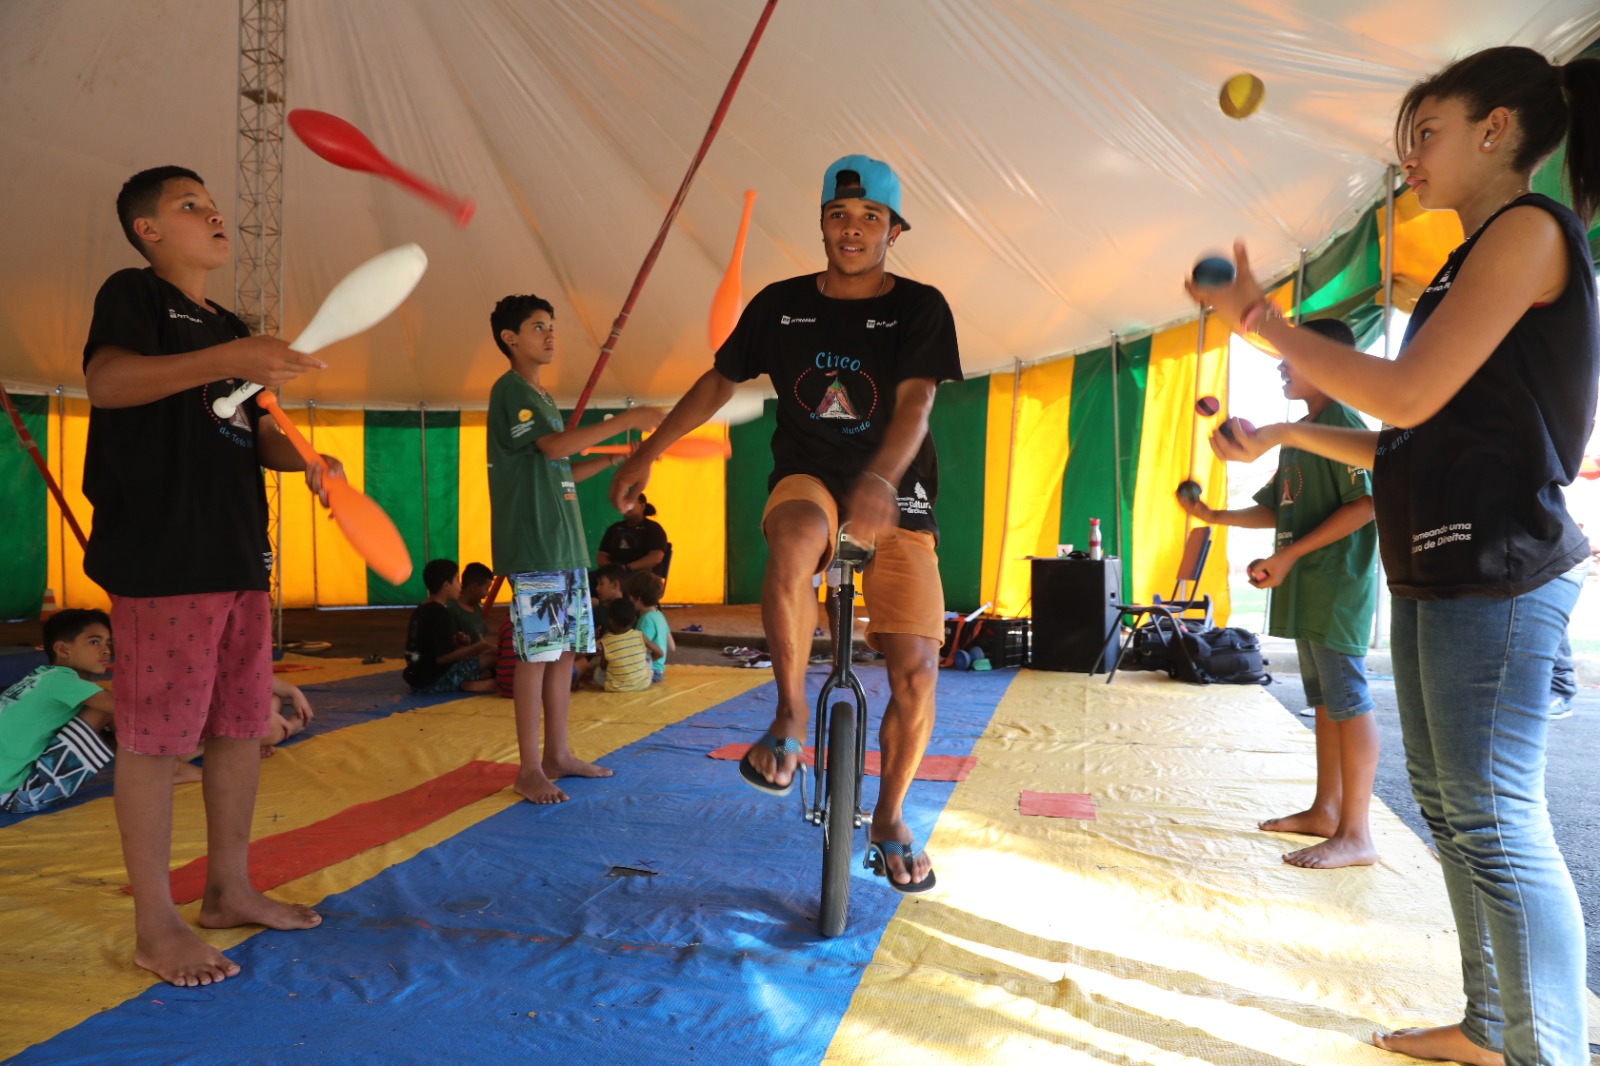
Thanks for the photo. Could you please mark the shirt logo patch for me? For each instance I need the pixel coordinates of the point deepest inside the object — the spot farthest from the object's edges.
(787, 319)
(524, 414)
(175, 313)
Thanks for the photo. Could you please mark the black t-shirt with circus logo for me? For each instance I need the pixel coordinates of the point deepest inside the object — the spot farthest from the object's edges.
(180, 505)
(835, 365)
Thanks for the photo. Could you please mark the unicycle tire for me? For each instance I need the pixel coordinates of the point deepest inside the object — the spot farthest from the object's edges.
(838, 828)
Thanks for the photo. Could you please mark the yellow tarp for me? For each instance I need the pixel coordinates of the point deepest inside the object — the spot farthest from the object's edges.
(67, 926)
(1167, 930)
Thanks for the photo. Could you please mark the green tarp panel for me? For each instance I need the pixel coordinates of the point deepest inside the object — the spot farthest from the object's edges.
(1098, 442)
(23, 542)
(394, 443)
(959, 425)
(747, 476)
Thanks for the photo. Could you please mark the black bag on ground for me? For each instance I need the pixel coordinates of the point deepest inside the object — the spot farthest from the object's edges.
(1154, 644)
(1222, 656)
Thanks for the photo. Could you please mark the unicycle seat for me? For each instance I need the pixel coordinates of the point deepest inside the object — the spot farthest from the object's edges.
(852, 552)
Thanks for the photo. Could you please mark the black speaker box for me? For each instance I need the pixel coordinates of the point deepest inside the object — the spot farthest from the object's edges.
(1072, 613)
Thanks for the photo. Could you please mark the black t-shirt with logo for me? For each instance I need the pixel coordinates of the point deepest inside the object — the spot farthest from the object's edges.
(1469, 503)
(624, 544)
(179, 501)
(835, 365)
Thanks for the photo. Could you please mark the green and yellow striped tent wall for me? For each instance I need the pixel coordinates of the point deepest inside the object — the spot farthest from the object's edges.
(1027, 457)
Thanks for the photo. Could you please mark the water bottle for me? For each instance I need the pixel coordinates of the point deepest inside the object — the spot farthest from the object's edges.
(1094, 539)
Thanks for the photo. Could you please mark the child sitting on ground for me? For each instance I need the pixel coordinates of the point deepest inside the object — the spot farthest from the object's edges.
(623, 661)
(285, 724)
(434, 661)
(55, 724)
(466, 610)
(605, 589)
(644, 589)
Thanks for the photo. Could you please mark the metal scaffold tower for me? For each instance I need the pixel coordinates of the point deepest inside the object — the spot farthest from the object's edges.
(258, 227)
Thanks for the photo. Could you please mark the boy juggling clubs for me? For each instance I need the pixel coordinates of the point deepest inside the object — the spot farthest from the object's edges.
(180, 544)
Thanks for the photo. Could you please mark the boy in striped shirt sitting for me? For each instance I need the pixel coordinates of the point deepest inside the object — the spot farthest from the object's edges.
(623, 661)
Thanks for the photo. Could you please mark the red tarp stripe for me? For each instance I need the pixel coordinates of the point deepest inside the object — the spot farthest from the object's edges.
(933, 768)
(282, 857)
(1057, 804)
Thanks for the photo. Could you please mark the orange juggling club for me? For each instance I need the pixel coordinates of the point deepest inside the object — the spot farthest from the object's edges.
(729, 299)
(365, 526)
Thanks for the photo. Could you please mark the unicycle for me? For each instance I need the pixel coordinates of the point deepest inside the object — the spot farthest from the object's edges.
(841, 744)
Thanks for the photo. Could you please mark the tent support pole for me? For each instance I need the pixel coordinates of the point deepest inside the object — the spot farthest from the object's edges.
(672, 213)
(1005, 504)
(1116, 454)
(422, 434)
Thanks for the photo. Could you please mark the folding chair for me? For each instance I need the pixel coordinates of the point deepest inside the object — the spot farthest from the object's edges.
(1196, 547)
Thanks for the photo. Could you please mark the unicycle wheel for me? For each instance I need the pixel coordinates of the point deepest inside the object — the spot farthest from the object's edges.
(838, 826)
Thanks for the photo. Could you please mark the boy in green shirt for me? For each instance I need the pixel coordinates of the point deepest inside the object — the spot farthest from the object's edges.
(1322, 571)
(644, 588)
(537, 536)
(466, 608)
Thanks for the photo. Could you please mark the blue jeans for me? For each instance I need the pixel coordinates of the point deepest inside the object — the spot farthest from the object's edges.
(1473, 681)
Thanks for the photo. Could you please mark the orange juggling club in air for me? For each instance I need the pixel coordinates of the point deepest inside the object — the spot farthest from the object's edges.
(729, 299)
(365, 526)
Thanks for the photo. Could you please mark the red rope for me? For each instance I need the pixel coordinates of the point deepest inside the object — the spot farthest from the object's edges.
(672, 213)
(38, 460)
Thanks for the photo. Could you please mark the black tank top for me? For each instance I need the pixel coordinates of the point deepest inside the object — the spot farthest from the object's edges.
(1469, 503)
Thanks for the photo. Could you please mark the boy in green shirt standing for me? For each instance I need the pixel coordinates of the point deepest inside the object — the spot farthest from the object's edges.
(537, 538)
(1322, 571)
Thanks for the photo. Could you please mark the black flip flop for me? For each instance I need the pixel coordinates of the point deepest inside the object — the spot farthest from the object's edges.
(779, 747)
(878, 853)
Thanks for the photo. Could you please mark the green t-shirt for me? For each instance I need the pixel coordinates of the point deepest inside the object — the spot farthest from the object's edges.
(535, 525)
(469, 622)
(653, 624)
(31, 712)
(1329, 596)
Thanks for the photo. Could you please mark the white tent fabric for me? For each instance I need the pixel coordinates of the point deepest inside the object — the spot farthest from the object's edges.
(1063, 162)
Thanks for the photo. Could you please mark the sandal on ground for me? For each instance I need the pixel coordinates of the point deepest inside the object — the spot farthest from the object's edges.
(779, 746)
(878, 862)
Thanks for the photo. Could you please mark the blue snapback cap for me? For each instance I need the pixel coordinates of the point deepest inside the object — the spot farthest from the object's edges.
(860, 177)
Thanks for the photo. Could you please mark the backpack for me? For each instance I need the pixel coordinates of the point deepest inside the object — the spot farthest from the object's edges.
(1222, 656)
(1153, 644)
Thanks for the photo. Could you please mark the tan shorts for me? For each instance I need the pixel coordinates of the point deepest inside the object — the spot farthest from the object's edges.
(901, 584)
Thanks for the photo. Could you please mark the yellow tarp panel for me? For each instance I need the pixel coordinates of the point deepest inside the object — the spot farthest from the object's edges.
(1422, 242)
(691, 504)
(1169, 449)
(67, 926)
(68, 440)
(1022, 506)
(297, 561)
(472, 491)
(1167, 930)
(341, 573)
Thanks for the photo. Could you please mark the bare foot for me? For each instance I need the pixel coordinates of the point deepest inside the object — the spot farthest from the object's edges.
(920, 864)
(184, 773)
(268, 751)
(572, 766)
(250, 907)
(174, 954)
(1443, 1043)
(536, 788)
(1306, 823)
(1334, 853)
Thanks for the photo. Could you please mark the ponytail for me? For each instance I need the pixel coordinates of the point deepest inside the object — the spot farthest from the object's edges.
(1581, 81)
(1551, 104)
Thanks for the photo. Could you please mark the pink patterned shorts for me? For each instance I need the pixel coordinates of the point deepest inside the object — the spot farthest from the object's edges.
(191, 667)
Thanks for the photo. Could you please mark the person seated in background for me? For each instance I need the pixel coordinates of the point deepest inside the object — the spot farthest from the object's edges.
(623, 662)
(467, 609)
(55, 724)
(637, 542)
(606, 585)
(644, 590)
(285, 723)
(434, 661)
